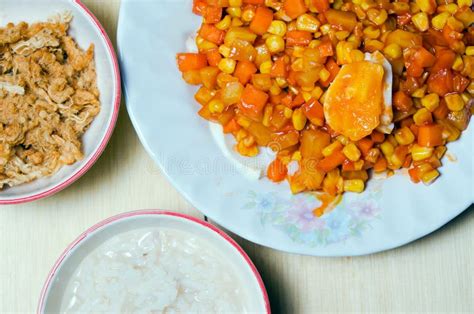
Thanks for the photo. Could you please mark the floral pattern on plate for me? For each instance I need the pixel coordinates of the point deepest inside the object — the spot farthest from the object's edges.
(294, 215)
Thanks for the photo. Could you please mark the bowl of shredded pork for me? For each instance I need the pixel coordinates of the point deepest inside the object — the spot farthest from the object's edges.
(49, 101)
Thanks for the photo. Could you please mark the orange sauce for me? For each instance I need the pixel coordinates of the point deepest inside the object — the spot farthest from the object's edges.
(328, 202)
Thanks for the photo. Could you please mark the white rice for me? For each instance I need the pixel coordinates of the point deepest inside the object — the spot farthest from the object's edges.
(155, 271)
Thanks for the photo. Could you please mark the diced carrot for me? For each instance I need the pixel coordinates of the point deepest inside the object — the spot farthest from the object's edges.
(424, 58)
(415, 175)
(213, 57)
(348, 165)
(244, 71)
(325, 49)
(365, 145)
(407, 162)
(298, 38)
(444, 60)
(441, 111)
(380, 165)
(320, 5)
(314, 111)
(277, 171)
(402, 101)
(341, 19)
(211, 33)
(231, 126)
(212, 14)
(333, 69)
(262, 20)
(441, 82)
(332, 161)
(460, 83)
(297, 101)
(294, 8)
(191, 61)
(287, 100)
(430, 135)
(279, 68)
(377, 137)
(199, 6)
(253, 102)
(254, 1)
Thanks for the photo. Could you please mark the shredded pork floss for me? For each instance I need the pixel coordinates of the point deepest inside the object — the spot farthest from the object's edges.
(48, 99)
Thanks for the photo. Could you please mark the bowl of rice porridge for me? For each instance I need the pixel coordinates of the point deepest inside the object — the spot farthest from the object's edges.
(154, 262)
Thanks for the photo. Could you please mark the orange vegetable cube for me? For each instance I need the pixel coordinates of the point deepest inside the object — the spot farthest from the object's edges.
(430, 135)
(262, 20)
(191, 61)
(253, 102)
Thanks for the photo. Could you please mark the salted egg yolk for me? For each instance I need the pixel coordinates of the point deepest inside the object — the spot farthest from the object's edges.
(353, 104)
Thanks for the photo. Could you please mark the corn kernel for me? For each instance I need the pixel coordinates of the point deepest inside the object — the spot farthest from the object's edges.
(248, 15)
(248, 141)
(216, 106)
(244, 122)
(470, 88)
(373, 155)
(306, 96)
(308, 23)
(422, 116)
(331, 148)
(281, 82)
(357, 56)
(458, 64)
(277, 28)
(414, 8)
(227, 65)
(267, 114)
(224, 50)
(266, 67)
(325, 29)
(455, 24)
(387, 148)
(356, 186)
(420, 20)
(288, 113)
(314, 43)
(371, 32)
(351, 152)
(224, 23)
(464, 3)
(454, 102)
(324, 74)
(344, 140)
(235, 3)
(275, 43)
(296, 156)
(204, 45)
(372, 45)
(404, 136)
(419, 92)
(420, 152)
(247, 151)
(393, 51)
(430, 176)
(236, 22)
(298, 65)
(299, 119)
(440, 20)
(275, 89)
(400, 7)
(469, 51)
(234, 11)
(378, 17)
(317, 92)
(430, 101)
(426, 6)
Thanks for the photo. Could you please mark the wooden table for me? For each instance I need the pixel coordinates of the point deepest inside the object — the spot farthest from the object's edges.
(435, 274)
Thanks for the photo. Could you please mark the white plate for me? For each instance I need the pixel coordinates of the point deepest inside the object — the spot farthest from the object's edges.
(67, 263)
(85, 29)
(390, 213)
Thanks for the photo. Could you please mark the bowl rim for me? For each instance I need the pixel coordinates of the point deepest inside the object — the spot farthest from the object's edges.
(103, 144)
(126, 215)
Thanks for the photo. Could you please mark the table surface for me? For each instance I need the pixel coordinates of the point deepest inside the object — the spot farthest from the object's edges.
(434, 274)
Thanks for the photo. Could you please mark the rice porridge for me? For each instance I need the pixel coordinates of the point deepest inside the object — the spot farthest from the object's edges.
(155, 271)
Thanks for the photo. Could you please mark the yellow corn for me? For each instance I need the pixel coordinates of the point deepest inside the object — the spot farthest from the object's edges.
(430, 101)
(239, 33)
(244, 122)
(224, 23)
(470, 88)
(308, 23)
(325, 29)
(204, 45)
(378, 17)
(235, 3)
(356, 186)
(344, 140)
(414, 8)
(421, 21)
(430, 176)
(469, 51)
(251, 151)
(296, 156)
(419, 92)
(422, 116)
(248, 141)
(277, 28)
(248, 15)
(299, 119)
(298, 65)
(236, 22)
(371, 32)
(314, 43)
(275, 43)
(234, 11)
(343, 50)
(400, 7)
(275, 89)
(458, 64)
(331, 148)
(204, 95)
(387, 148)
(224, 50)
(317, 92)
(372, 155)
(426, 6)
(288, 113)
(298, 51)
(266, 67)
(227, 65)
(455, 24)
(373, 45)
(440, 151)
(341, 35)
(281, 82)
(357, 55)
(216, 106)
(306, 95)
(440, 20)
(393, 51)
(464, 3)
(351, 152)
(454, 102)
(404, 136)
(420, 152)
(324, 74)
(267, 113)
